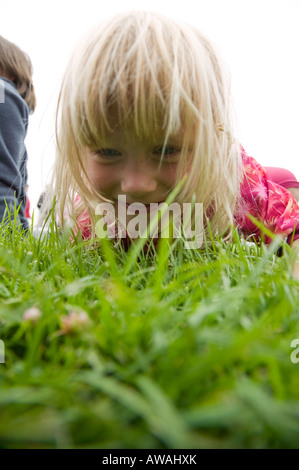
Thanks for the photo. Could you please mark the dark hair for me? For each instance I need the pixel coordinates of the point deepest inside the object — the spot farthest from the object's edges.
(16, 65)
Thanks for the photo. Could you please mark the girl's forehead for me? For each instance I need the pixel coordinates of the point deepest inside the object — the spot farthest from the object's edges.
(154, 135)
(102, 127)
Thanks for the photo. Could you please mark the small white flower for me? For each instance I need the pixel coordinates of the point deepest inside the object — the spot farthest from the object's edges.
(32, 314)
(73, 321)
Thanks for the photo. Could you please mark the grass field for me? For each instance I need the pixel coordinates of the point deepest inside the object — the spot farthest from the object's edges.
(181, 349)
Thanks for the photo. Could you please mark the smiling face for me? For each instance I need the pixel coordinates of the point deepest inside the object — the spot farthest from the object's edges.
(134, 169)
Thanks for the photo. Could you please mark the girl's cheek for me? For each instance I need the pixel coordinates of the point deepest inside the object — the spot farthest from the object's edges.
(101, 176)
(169, 174)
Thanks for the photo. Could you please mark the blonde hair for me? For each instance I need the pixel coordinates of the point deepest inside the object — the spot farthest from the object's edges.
(143, 72)
(16, 64)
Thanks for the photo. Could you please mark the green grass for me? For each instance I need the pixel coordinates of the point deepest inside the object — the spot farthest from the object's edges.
(182, 348)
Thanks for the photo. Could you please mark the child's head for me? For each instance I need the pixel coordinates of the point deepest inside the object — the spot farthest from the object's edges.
(16, 66)
(145, 101)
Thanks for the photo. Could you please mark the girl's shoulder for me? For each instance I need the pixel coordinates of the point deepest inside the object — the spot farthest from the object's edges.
(83, 222)
(248, 162)
(253, 173)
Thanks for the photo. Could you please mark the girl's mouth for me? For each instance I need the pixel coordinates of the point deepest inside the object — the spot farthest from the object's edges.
(137, 205)
(148, 207)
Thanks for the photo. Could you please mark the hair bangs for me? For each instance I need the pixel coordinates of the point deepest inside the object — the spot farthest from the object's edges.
(125, 83)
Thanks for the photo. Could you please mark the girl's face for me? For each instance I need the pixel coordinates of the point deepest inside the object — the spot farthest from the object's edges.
(133, 169)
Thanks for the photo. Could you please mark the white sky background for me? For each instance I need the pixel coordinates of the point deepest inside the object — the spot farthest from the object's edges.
(258, 39)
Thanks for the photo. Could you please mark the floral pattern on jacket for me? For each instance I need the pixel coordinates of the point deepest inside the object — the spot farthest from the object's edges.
(267, 201)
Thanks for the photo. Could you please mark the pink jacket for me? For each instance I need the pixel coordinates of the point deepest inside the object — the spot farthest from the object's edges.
(268, 202)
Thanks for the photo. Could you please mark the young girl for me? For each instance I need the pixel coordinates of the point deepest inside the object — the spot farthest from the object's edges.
(145, 102)
(18, 100)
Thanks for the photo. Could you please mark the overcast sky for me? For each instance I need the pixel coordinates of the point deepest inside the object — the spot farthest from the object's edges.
(258, 39)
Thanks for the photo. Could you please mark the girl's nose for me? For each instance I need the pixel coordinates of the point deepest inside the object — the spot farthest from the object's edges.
(138, 182)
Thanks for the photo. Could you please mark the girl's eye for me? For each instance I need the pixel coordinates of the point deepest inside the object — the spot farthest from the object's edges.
(168, 150)
(108, 152)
